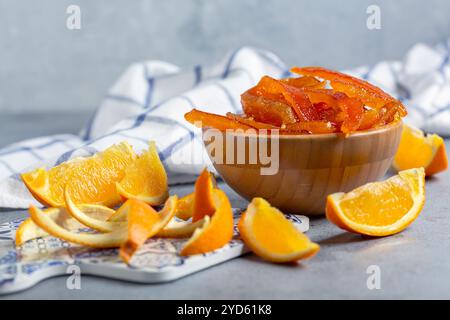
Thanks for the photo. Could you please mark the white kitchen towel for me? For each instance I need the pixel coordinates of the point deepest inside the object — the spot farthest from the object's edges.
(149, 100)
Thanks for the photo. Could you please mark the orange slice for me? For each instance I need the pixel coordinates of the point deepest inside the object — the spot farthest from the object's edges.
(419, 150)
(267, 232)
(145, 179)
(143, 223)
(28, 230)
(217, 229)
(92, 179)
(380, 208)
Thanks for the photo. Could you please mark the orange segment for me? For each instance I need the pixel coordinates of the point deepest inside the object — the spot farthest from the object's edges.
(380, 208)
(216, 231)
(203, 197)
(419, 150)
(143, 223)
(145, 179)
(92, 179)
(267, 232)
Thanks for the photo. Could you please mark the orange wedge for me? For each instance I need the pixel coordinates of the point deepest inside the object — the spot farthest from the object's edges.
(92, 179)
(419, 150)
(28, 230)
(217, 229)
(143, 223)
(267, 232)
(145, 179)
(380, 208)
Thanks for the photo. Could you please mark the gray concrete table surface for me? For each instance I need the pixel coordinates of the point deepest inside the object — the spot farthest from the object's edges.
(414, 264)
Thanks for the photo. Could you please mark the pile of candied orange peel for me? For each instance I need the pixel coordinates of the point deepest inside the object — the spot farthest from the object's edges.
(336, 103)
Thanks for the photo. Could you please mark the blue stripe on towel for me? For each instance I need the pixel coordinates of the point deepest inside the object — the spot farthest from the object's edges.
(167, 121)
(7, 166)
(273, 60)
(145, 141)
(88, 131)
(403, 92)
(167, 152)
(286, 73)
(439, 111)
(198, 74)
(446, 59)
(20, 149)
(66, 155)
(148, 98)
(269, 58)
(122, 98)
(34, 154)
(366, 75)
(227, 69)
(229, 96)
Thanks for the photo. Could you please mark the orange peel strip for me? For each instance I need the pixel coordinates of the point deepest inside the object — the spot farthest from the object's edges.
(143, 223)
(99, 225)
(204, 119)
(28, 230)
(250, 122)
(102, 240)
(203, 197)
(180, 229)
(215, 232)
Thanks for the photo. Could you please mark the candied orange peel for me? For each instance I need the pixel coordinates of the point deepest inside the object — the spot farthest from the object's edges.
(319, 101)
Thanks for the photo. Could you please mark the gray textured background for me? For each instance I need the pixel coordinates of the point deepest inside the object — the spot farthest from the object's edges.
(44, 66)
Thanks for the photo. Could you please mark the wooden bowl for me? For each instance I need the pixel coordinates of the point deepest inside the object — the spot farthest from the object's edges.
(310, 166)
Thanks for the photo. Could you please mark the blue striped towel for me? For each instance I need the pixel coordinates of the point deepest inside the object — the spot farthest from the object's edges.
(149, 100)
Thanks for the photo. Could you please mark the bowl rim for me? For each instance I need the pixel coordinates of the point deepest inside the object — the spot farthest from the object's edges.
(390, 126)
